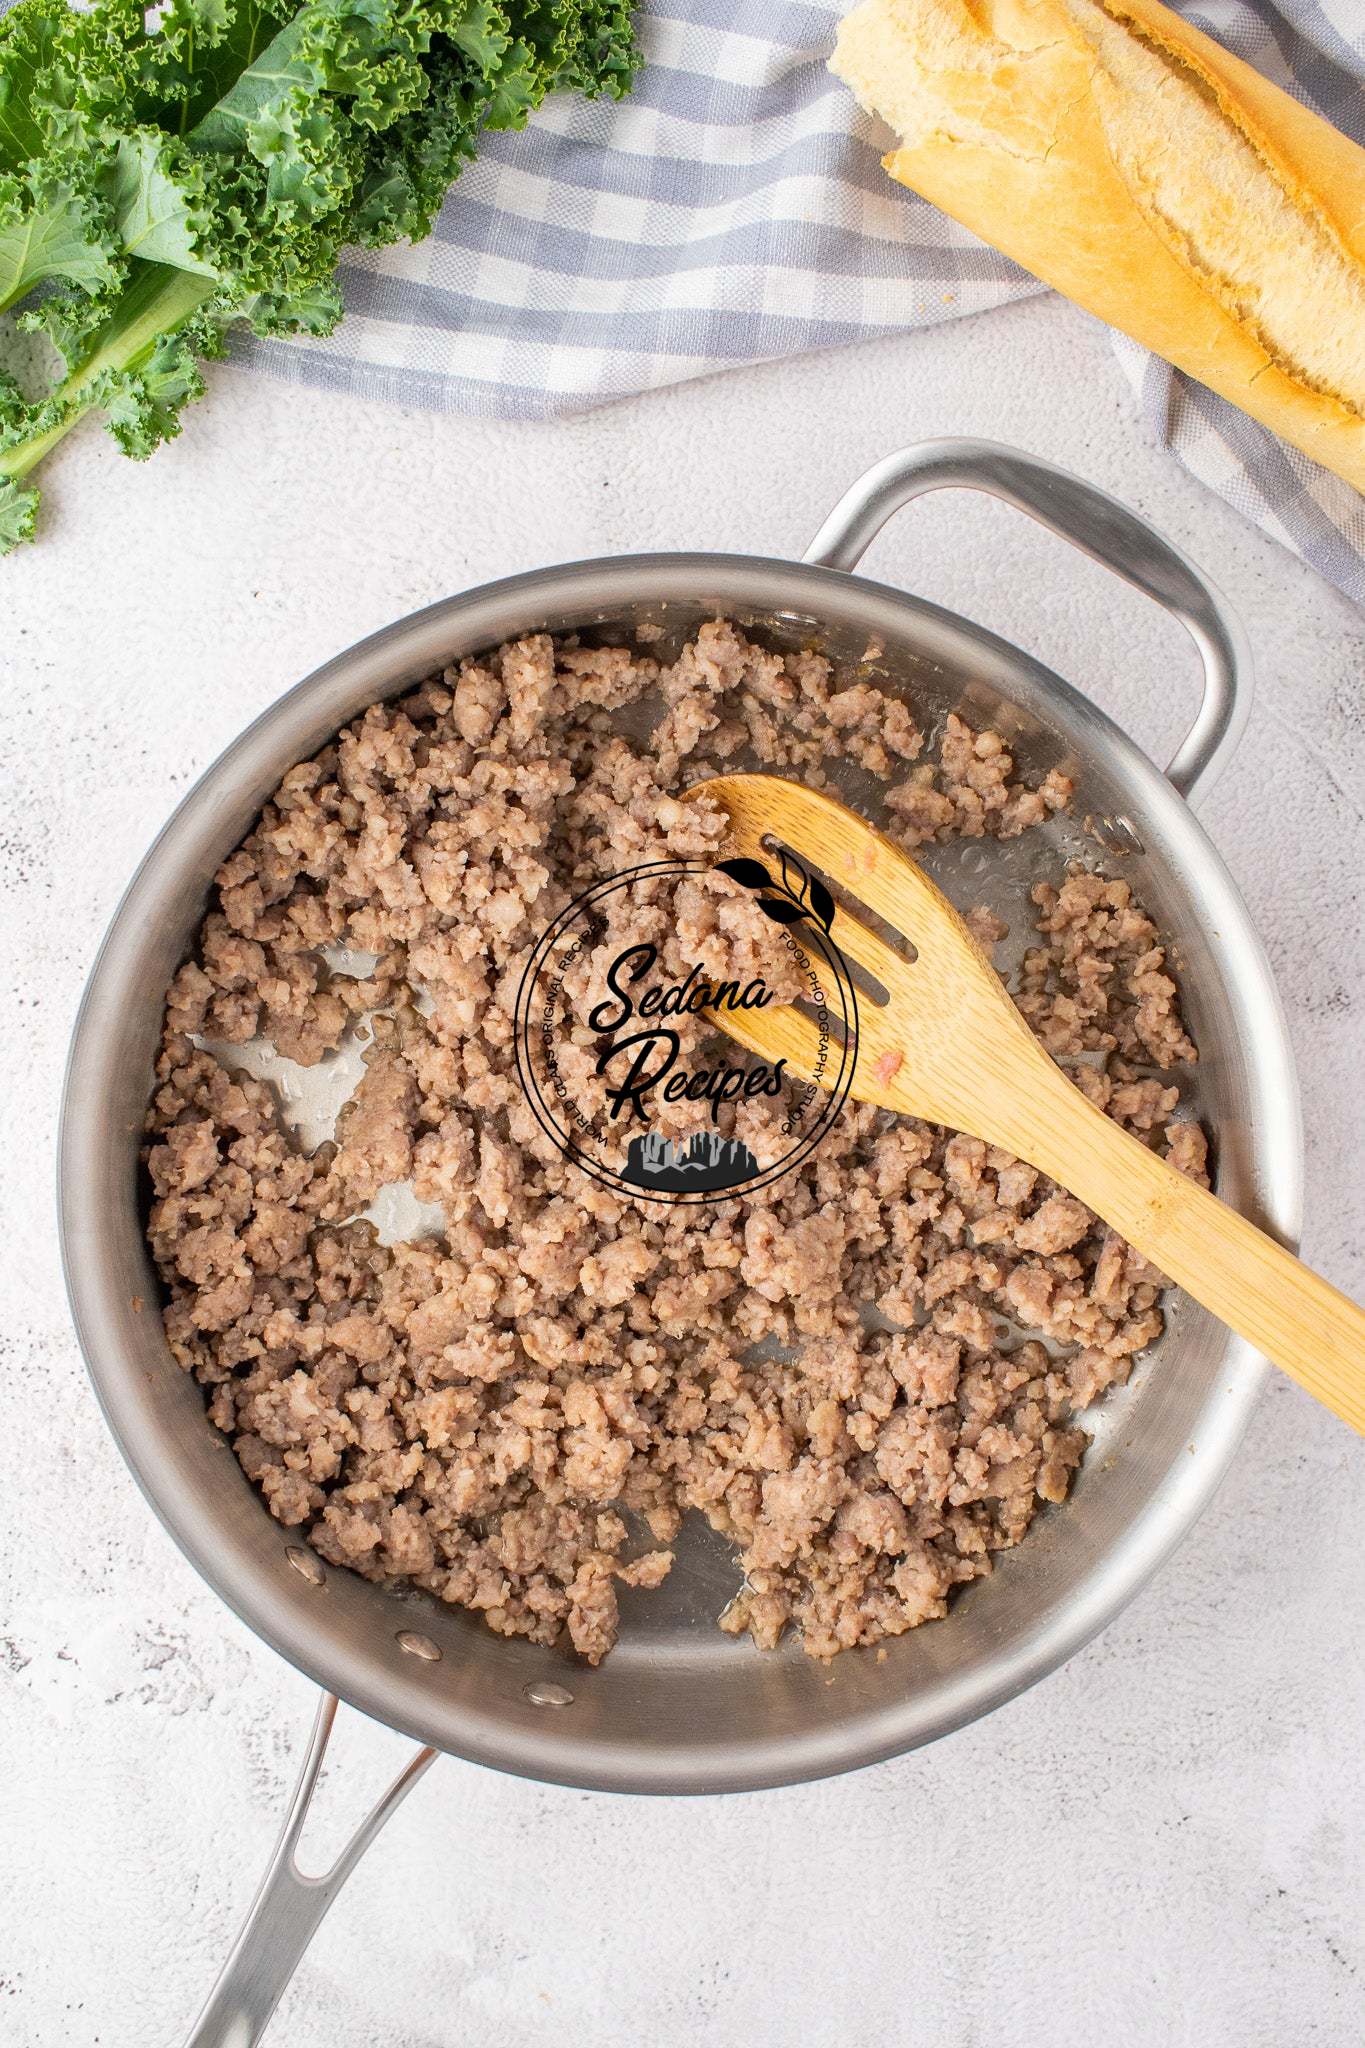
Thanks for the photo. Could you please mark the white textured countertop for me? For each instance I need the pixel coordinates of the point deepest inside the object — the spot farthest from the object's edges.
(1163, 1842)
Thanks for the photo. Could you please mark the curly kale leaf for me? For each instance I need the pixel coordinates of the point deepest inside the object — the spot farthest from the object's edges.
(608, 54)
(63, 74)
(55, 225)
(199, 51)
(29, 36)
(413, 165)
(63, 80)
(315, 309)
(142, 407)
(18, 514)
(163, 175)
(161, 203)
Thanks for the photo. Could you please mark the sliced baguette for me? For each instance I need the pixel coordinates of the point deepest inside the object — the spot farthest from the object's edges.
(1129, 161)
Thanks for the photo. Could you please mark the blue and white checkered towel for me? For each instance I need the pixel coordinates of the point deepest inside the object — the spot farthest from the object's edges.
(734, 210)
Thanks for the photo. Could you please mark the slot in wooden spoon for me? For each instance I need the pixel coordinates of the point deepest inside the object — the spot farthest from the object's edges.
(950, 1047)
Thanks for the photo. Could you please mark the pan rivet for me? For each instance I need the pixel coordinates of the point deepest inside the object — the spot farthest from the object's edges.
(306, 1565)
(1116, 835)
(418, 1646)
(542, 1693)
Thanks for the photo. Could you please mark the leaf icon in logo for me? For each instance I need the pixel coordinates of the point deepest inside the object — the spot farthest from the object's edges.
(805, 891)
(750, 874)
(795, 880)
(781, 909)
(808, 890)
(821, 902)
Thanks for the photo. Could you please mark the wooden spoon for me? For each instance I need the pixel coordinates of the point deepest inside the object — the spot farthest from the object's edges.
(950, 1047)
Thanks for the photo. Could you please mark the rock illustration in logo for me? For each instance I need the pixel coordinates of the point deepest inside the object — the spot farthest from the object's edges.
(703, 1161)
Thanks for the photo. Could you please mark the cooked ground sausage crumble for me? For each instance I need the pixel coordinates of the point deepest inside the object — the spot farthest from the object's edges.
(866, 1374)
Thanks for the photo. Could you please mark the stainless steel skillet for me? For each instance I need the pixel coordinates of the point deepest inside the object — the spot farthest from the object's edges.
(678, 1707)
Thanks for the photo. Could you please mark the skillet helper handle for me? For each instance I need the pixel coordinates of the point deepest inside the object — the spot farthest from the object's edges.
(1288, 1313)
(288, 1907)
(1100, 527)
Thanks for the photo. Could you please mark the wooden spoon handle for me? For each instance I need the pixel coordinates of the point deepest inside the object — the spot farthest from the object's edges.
(1288, 1313)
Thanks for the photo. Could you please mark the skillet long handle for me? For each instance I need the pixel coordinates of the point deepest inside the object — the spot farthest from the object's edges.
(1287, 1312)
(288, 1907)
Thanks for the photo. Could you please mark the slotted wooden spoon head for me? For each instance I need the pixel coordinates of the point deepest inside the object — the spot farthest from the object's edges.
(947, 1045)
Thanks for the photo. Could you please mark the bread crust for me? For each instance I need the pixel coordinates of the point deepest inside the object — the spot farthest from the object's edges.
(1008, 114)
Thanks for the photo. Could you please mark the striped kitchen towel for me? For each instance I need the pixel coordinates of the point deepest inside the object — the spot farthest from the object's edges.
(734, 210)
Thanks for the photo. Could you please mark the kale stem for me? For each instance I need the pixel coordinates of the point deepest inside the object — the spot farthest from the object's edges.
(155, 302)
